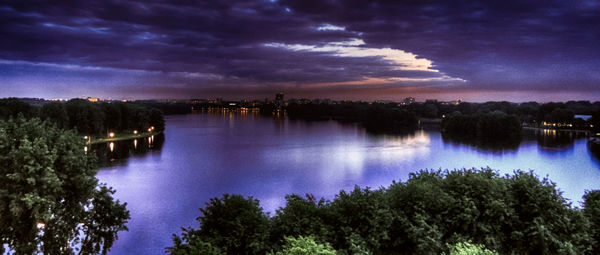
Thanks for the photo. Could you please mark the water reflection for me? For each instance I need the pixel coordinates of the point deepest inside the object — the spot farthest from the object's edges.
(117, 153)
(552, 140)
(594, 148)
(495, 146)
(207, 155)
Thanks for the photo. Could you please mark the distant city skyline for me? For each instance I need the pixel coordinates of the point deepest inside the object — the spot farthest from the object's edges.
(343, 50)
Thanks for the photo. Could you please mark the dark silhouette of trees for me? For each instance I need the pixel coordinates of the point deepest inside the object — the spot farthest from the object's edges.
(12, 107)
(379, 120)
(55, 112)
(85, 117)
(376, 118)
(486, 127)
(560, 115)
(89, 118)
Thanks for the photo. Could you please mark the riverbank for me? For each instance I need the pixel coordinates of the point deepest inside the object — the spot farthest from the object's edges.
(122, 137)
(586, 132)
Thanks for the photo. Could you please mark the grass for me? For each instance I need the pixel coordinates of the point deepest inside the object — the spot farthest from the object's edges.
(121, 137)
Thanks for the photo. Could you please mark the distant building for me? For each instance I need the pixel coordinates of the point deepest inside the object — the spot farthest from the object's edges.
(93, 99)
(215, 101)
(304, 101)
(408, 100)
(198, 101)
(279, 103)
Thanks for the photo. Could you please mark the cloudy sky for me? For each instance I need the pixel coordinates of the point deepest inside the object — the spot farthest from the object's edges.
(356, 49)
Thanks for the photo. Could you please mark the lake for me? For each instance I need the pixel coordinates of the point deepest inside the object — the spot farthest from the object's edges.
(165, 179)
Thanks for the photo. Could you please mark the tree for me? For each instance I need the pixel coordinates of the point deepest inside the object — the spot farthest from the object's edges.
(300, 217)
(591, 210)
(560, 116)
(112, 116)
(55, 112)
(157, 120)
(234, 224)
(360, 217)
(475, 209)
(467, 248)
(305, 246)
(85, 116)
(192, 245)
(11, 107)
(49, 195)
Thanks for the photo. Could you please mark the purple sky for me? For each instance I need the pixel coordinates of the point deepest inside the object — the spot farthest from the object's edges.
(357, 49)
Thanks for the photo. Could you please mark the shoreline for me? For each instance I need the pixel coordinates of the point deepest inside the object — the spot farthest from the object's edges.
(586, 132)
(122, 137)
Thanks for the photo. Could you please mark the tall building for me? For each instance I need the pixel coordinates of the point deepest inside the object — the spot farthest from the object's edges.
(408, 100)
(279, 104)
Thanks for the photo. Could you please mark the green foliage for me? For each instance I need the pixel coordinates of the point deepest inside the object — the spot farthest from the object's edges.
(190, 244)
(234, 224)
(305, 246)
(45, 177)
(511, 214)
(361, 217)
(300, 217)
(592, 213)
(466, 248)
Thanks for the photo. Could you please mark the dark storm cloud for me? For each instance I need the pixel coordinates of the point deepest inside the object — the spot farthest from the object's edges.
(178, 48)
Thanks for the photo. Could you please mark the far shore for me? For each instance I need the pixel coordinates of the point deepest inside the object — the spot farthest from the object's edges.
(122, 137)
(587, 132)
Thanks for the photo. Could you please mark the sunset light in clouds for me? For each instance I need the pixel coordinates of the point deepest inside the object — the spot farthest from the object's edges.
(336, 49)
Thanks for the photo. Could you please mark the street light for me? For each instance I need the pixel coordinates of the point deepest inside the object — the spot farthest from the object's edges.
(111, 134)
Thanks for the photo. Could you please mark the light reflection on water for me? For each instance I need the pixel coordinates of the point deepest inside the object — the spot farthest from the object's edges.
(165, 181)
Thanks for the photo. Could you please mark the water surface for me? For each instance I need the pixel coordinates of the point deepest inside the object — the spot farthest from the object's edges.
(202, 156)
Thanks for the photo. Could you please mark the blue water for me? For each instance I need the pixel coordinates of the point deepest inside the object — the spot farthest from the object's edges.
(207, 155)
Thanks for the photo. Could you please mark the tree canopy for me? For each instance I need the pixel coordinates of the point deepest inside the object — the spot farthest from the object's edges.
(49, 195)
(454, 212)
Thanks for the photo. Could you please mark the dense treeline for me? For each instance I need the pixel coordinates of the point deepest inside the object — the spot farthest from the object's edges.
(168, 108)
(87, 117)
(481, 118)
(531, 113)
(491, 126)
(374, 117)
(427, 214)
